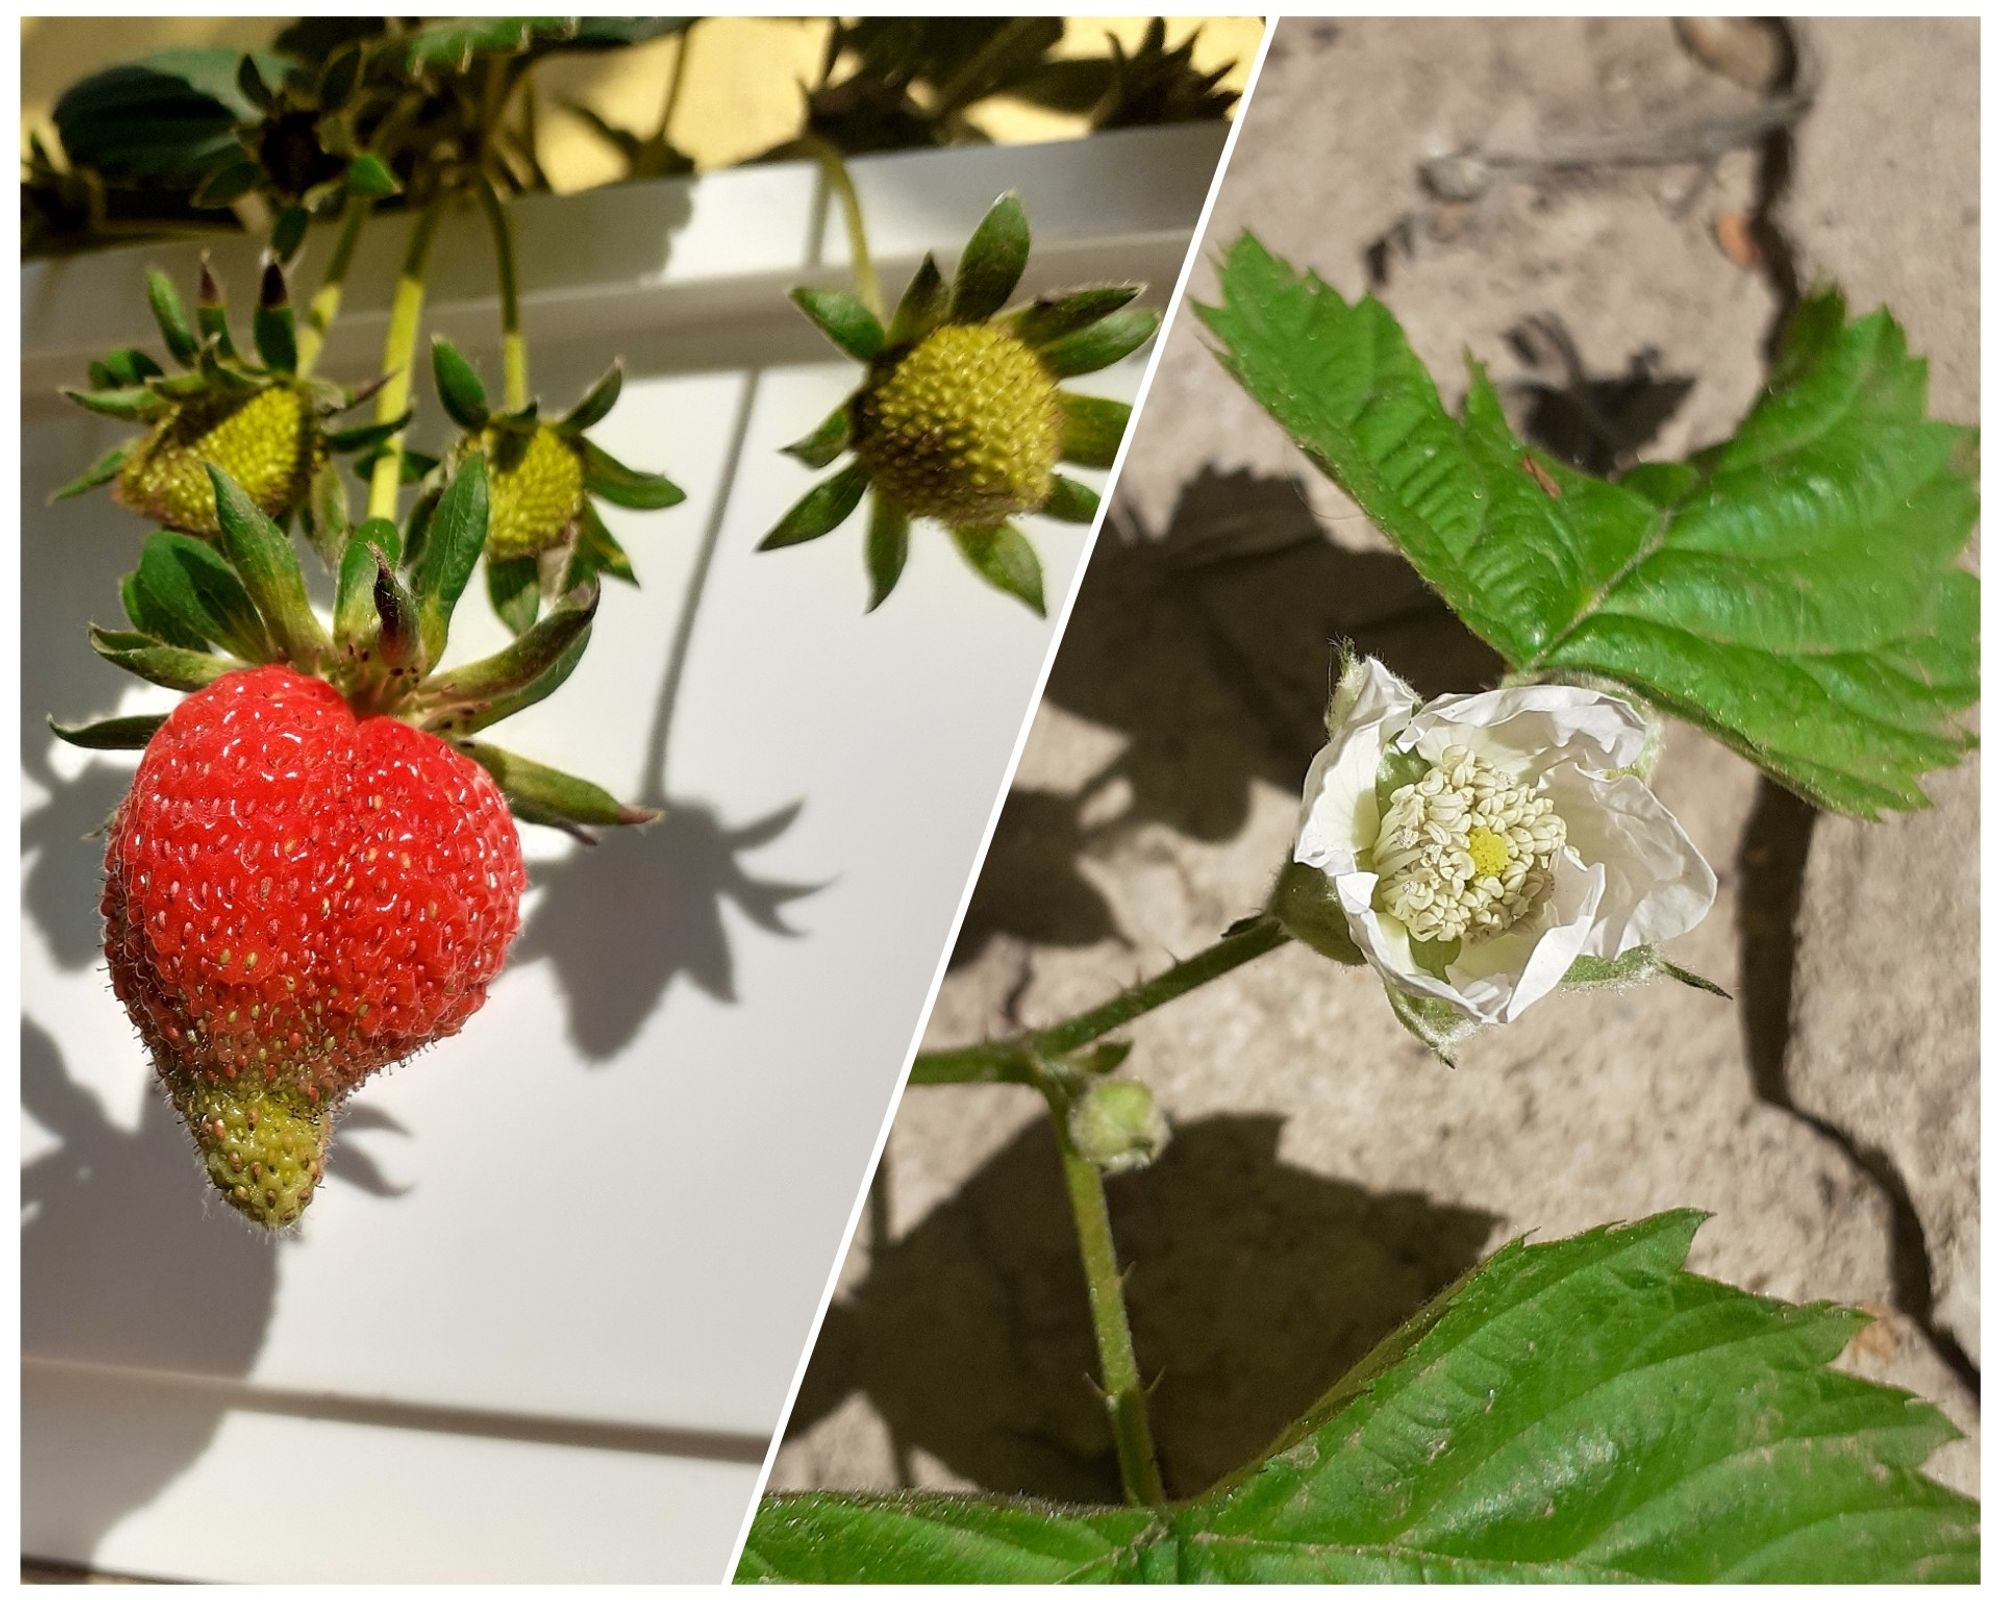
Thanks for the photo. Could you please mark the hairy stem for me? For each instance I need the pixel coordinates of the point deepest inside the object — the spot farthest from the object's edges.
(1014, 1060)
(866, 284)
(406, 312)
(514, 346)
(1124, 1393)
(325, 304)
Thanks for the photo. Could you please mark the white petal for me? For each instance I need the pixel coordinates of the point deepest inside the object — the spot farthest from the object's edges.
(1656, 882)
(1386, 942)
(1339, 818)
(1503, 977)
(1526, 731)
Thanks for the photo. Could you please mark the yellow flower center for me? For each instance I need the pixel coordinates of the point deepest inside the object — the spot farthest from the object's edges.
(534, 489)
(965, 428)
(269, 444)
(1466, 851)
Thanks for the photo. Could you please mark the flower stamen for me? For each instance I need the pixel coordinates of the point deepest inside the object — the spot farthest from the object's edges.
(1466, 852)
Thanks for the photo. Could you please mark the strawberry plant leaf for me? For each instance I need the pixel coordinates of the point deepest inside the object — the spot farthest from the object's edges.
(994, 258)
(452, 539)
(1794, 590)
(264, 559)
(1585, 1410)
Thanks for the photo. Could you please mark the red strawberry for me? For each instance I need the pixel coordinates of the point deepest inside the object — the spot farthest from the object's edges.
(294, 899)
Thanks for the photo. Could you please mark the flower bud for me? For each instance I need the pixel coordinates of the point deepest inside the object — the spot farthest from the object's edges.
(1117, 1127)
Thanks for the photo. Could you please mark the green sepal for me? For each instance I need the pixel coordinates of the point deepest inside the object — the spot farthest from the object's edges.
(135, 403)
(530, 669)
(102, 471)
(924, 305)
(1005, 559)
(1093, 428)
(442, 561)
(188, 581)
(354, 615)
(289, 232)
(458, 386)
(1071, 501)
(821, 509)
(1306, 907)
(597, 402)
(605, 476)
(369, 177)
(147, 614)
(171, 315)
(888, 547)
(1441, 1026)
(264, 559)
(112, 733)
(211, 317)
(1056, 317)
(826, 442)
(181, 385)
(170, 666)
(325, 517)
(844, 319)
(596, 551)
(994, 258)
(398, 621)
(515, 588)
(273, 328)
(1098, 346)
(225, 186)
(553, 799)
(1634, 966)
(367, 435)
(123, 369)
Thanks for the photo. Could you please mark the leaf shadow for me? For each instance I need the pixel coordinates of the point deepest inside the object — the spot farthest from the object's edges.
(1208, 647)
(1256, 1284)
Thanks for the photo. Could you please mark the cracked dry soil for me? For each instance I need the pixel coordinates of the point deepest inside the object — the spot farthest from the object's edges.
(1328, 1176)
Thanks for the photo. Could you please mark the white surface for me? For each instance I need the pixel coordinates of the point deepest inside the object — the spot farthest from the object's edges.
(613, 1201)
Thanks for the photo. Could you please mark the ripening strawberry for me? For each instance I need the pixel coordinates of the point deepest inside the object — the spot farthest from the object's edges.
(295, 898)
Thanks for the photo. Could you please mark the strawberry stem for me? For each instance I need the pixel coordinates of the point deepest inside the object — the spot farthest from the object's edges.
(513, 344)
(866, 284)
(399, 358)
(325, 304)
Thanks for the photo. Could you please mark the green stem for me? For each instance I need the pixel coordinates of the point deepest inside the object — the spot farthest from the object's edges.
(513, 344)
(399, 352)
(325, 304)
(1124, 1394)
(866, 284)
(1014, 1060)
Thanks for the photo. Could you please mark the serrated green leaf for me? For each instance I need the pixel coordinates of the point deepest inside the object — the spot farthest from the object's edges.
(1110, 339)
(888, 547)
(826, 442)
(1055, 317)
(168, 665)
(515, 588)
(1793, 590)
(605, 476)
(453, 536)
(821, 509)
(844, 319)
(1005, 559)
(596, 405)
(458, 386)
(1580, 1411)
(188, 581)
(553, 799)
(939, 1538)
(167, 120)
(103, 470)
(924, 304)
(992, 263)
(1071, 501)
(112, 733)
(264, 560)
(472, 697)
(171, 315)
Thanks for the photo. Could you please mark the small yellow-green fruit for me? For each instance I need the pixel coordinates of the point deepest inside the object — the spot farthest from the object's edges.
(534, 492)
(1116, 1126)
(263, 1146)
(270, 444)
(965, 428)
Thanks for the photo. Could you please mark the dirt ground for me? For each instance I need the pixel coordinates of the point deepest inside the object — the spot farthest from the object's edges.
(1327, 1176)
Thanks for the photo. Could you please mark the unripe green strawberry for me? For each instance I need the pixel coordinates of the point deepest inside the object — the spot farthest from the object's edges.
(534, 491)
(966, 428)
(294, 899)
(270, 443)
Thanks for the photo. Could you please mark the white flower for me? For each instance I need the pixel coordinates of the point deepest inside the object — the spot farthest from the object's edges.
(1479, 844)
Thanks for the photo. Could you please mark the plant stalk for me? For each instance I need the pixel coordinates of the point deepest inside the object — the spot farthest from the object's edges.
(406, 312)
(1124, 1393)
(1014, 1060)
(866, 284)
(325, 305)
(513, 344)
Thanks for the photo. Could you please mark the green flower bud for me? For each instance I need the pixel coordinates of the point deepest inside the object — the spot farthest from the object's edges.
(1116, 1126)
